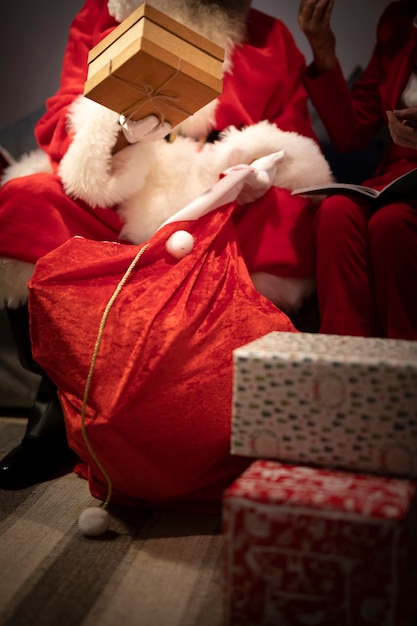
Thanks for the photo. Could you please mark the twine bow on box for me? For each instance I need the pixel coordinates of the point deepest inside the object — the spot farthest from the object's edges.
(156, 96)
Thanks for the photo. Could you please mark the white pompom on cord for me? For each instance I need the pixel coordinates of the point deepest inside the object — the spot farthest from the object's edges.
(180, 244)
(94, 521)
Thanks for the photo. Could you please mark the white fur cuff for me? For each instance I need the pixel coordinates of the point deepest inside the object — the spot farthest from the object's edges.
(88, 169)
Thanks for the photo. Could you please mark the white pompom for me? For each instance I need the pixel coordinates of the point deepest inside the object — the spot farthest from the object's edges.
(94, 521)
(180, 244)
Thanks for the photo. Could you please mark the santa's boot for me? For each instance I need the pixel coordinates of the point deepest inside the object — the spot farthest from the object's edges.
(43, 451)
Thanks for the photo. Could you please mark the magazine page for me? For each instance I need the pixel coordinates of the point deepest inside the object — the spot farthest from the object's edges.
(404, 186)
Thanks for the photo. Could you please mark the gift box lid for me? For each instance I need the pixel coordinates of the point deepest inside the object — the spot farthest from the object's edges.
(308, 346)
(297, 486)
(163, 20)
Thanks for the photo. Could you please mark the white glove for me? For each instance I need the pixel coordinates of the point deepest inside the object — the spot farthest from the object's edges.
(261, 177)
(147, 129)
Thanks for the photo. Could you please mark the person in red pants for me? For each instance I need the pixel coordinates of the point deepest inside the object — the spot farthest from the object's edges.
(47, 198)
(366, 259)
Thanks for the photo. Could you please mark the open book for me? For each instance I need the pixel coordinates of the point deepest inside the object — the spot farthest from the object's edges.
(404, 186)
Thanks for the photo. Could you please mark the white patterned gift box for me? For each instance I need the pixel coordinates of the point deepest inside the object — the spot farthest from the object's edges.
(312, 546)
(327, 400)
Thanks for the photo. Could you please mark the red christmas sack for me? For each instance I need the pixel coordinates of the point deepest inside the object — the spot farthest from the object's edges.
(143, 358)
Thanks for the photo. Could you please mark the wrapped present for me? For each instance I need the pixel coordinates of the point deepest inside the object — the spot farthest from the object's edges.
(152, 64)
(327, 400)
(312, 546)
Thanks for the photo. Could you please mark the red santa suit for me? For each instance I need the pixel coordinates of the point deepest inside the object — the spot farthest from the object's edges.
(366, 259)
(37, 214)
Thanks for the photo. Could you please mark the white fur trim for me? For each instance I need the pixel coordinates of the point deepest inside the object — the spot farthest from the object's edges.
(199, 125)
(29, 163)
(88, 170)
(14, 278)
(303, 158)
(181, 171)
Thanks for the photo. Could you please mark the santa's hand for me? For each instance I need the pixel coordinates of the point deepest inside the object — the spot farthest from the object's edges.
(260, 179)
(147, 129)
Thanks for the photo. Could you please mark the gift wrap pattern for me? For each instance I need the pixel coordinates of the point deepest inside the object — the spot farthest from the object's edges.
(307, 546)
(337, 401)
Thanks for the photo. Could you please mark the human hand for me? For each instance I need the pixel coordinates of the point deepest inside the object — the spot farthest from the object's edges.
(402, 125)
(314, 21)
(147, 129)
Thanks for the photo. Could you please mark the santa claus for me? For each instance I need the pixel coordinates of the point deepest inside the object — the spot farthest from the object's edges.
(77, 184)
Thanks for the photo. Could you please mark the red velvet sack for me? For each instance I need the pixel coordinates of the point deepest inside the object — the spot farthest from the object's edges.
(158, 412)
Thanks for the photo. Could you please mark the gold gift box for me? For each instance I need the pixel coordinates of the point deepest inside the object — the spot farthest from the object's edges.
(152, 64)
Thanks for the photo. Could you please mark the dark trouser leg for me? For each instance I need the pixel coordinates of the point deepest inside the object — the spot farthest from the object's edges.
(43, 450)
(393, 243)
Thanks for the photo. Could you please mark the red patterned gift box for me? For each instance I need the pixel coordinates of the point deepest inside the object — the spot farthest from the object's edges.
(306, 546)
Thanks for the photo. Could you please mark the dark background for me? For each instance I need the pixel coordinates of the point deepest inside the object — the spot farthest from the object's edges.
(33, 35)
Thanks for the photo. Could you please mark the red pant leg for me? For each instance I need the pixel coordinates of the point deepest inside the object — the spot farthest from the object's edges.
(343, 268)
(36, 216)
(393, 244)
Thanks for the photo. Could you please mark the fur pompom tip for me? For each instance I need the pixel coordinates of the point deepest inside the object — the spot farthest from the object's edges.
(94, 522)
(180, 244)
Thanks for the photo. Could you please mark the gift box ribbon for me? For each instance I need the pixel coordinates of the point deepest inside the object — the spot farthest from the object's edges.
(150, 94)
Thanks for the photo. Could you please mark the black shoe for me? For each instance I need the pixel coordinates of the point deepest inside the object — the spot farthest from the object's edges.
(33, 462)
